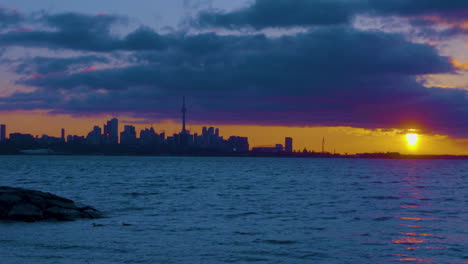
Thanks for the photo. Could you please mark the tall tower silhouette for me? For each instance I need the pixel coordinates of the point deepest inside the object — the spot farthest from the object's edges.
(184, 111)
(323, 145)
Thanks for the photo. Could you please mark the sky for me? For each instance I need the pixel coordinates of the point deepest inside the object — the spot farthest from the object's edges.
(361, 73)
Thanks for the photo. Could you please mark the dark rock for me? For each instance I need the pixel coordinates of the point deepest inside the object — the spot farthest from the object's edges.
(27, 205)
(25, 212)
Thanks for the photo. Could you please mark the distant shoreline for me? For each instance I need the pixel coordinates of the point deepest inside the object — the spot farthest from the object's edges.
(314, 155)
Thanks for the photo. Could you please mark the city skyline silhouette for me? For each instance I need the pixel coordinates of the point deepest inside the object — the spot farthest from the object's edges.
(345, 77)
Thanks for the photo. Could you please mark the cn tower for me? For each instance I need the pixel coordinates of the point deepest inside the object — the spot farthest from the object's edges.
(184, 111)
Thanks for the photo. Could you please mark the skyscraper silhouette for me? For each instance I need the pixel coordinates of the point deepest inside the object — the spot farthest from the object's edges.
(2, 132)
(111, 131)
(288, 144)
(128, 136)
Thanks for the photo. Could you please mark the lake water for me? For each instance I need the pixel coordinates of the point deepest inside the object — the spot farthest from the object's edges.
(243, 210)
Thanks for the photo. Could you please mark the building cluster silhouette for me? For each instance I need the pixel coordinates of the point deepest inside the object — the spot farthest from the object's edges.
(2, 132)
(149, 141)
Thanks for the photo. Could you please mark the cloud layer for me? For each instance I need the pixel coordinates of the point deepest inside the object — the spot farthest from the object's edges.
(300, 13)
(82, 33)
(333, 75)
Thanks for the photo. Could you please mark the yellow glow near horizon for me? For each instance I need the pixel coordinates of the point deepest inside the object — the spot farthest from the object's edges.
(412, 140)
(342, 139)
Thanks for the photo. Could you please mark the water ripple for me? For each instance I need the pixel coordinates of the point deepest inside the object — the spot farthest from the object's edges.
(242, 210)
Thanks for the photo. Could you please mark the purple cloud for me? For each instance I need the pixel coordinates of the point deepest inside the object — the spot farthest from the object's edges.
(335, 76)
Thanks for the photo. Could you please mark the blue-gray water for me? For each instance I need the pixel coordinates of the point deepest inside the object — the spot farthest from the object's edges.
(243, 210)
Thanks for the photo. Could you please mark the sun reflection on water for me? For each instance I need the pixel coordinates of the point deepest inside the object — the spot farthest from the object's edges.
(415, 221)
(418, 218)
(410, 225)
(413, 259)
(409, 240)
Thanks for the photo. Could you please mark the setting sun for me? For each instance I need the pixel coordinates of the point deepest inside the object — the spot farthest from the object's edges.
(412, 139)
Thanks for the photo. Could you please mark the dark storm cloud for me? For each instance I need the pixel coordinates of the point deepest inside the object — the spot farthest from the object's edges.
(453, 10)
(209, 61)
(300, 13)
(331, 76)
(47, 65)
(75, 22)
(283, 13)
(9, 18)
(82, 32)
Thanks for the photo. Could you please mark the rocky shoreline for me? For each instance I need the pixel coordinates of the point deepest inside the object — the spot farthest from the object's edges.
(17, 204)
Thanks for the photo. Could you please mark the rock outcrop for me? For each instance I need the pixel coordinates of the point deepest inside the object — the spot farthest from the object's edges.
(30, 206)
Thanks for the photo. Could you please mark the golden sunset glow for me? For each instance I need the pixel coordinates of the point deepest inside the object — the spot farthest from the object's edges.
(459, 65)
(412, 140)
(340, 139)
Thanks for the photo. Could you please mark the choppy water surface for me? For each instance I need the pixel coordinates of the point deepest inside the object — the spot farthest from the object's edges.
(242, 210)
